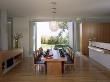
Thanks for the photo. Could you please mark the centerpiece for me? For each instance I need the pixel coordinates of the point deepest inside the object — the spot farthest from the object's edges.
(17, 36)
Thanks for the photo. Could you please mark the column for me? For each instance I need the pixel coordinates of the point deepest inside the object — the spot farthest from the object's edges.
(3, 30)
(70, 29)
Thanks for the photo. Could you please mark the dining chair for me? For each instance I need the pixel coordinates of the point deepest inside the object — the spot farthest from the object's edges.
(69, 64)
(37, 52)
(39, 65)
(69, 51)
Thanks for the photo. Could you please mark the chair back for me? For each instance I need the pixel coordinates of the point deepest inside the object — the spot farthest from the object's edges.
(70, 54)
(34, 57)
(69, 51)
(37, 52)
(72, 57)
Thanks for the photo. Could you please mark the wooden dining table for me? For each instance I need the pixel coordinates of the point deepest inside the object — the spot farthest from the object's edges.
(54, 63)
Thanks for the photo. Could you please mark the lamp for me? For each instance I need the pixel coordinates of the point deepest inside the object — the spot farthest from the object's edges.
(53, 25)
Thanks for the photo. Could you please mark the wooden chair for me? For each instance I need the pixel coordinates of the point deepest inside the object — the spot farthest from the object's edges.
(37, 52)
(38, 64)
(69, 64)
(69, 51)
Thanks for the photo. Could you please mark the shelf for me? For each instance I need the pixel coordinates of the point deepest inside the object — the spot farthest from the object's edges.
(96, 49)
(9, 59)
(9, 68)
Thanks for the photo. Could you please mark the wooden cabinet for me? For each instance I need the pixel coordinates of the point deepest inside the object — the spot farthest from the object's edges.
(9, 59)
(99, 32)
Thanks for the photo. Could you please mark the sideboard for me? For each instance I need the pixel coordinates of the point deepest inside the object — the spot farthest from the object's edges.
(9, 59)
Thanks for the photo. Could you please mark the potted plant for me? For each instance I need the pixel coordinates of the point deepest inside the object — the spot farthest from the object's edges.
(17, 36)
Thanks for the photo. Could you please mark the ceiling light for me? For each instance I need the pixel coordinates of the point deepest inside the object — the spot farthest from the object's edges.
(53, 8)
(53, 12)
(53, 25)
(53, 3)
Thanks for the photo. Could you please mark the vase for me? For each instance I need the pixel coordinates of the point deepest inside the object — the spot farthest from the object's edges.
(16, 43)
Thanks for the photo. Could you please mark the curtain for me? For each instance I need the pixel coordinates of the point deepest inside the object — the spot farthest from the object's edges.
(31, 37)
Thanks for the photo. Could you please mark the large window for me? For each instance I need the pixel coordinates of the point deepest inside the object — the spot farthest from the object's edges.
(49, 34)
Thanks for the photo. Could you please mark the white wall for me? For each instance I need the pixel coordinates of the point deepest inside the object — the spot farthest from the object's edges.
(21, 25)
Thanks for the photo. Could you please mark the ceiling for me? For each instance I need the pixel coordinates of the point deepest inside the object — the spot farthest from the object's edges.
(64, 8)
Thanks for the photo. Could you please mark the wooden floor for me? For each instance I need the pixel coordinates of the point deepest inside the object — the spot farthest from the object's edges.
(85, 70)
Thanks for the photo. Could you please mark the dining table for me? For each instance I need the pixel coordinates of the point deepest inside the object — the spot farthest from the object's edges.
(54, 62)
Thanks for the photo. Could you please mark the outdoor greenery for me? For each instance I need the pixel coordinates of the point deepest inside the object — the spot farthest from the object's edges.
(60, 39)
(63, 26)
(47, 46)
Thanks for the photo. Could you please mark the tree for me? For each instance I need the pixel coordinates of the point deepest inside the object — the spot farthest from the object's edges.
(63, 26)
